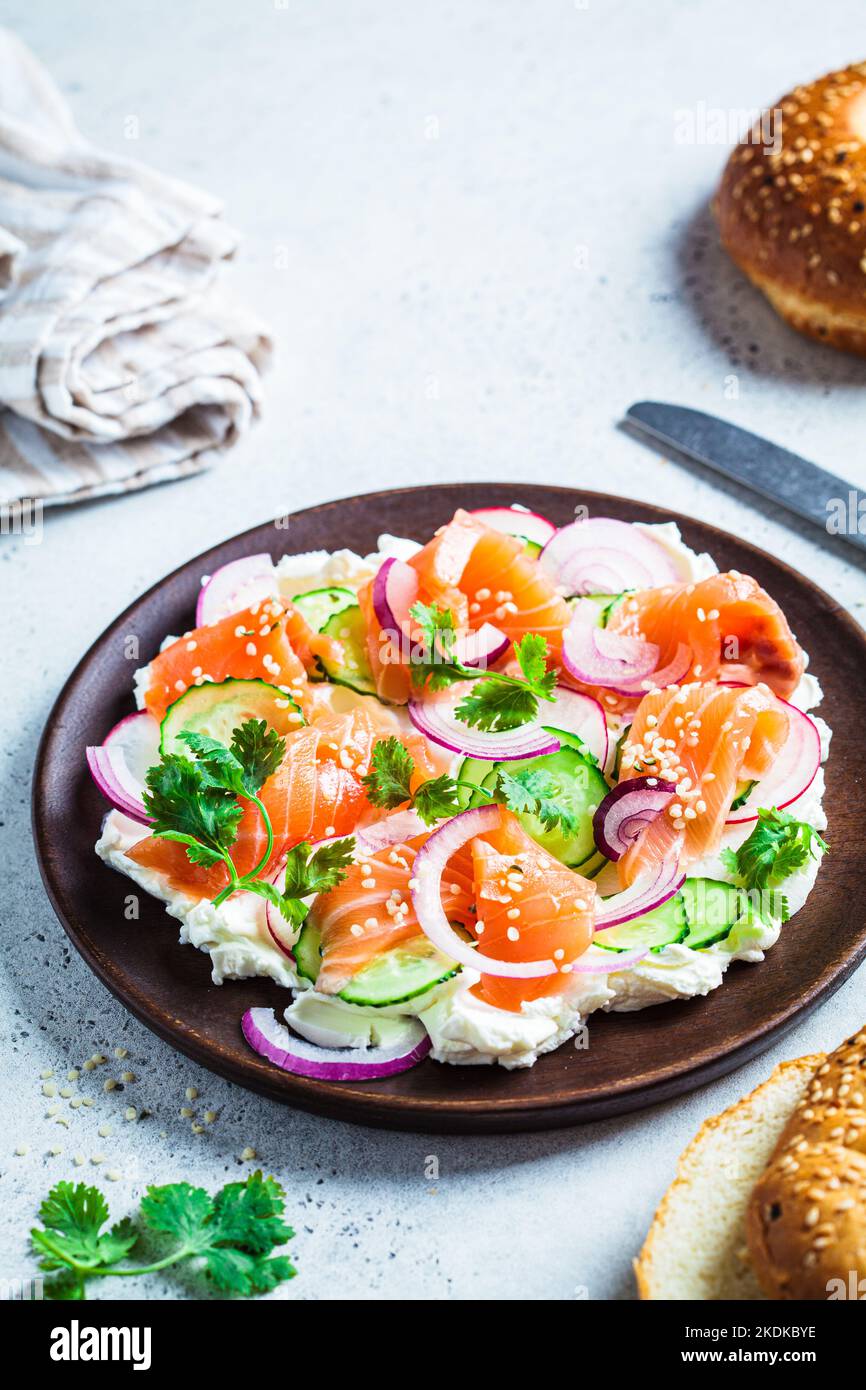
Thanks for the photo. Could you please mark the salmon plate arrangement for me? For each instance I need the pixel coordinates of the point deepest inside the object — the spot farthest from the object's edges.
(456, 797)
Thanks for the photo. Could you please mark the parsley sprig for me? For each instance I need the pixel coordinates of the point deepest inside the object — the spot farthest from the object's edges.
(533, 790)
(232, 1235)
(195, 802)
(496, 702)
(778, 846)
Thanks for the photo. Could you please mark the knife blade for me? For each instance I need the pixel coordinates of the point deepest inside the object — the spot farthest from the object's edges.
(766, 468)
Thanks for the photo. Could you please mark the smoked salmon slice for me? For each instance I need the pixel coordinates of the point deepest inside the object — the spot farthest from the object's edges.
(371, 910)
(271, 641)
(316, 792)
(705, 738)
(735, 630)
(529, 907)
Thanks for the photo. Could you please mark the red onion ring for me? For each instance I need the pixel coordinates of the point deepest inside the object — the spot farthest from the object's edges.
(626, 811)
(647, 892)
(273, 1041)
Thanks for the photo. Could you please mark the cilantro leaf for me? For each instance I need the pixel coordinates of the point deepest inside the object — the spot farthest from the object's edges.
(319, 873)
(233, 1233)
(498, 702)
(74, 1216)
(435, 665)
(536, 791)
(531, 652)
(495, 705)
(388, 782)
(778, 846)
(184, 804)
(259, 750)
(436, 798)
(255, 754)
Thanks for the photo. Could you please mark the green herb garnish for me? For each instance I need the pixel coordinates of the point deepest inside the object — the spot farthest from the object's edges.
(233, 1235)
(195, 802)
(778, 846)
(532, 790)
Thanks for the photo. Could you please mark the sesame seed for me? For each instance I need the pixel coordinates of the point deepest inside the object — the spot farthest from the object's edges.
(250, 649)
(513, 934)
(248, 1154)
(356, 929)
(513, 913)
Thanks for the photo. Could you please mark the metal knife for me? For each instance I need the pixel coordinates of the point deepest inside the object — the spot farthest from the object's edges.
(804, 488)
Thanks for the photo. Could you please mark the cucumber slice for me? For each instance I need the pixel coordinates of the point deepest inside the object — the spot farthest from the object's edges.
(581, 787)
(620, 745)
(218, 708)
(744, 791)
(476, 771)
(664, 926)
(404, 972)
(569, 740)
(712, 908)
(307, 953)
(318, 605)
(349, 629)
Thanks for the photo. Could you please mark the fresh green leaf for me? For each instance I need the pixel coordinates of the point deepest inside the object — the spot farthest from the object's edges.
(74, 1216)
(499, 702)
(233, 1235)
(388, 781)
(320, 872)
(778, 846)
(531, 652)
(494, 705)
(436, 798)
(183, 802)
(435, 666)
(536, 791)
(259, 750)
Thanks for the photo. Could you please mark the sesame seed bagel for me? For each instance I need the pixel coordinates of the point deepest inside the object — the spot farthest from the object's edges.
(806, 1221)
(791, 208)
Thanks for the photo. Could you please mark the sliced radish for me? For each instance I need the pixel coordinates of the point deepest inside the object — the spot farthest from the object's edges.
(119, 765)
(273, 1041)
(239, 584)
(571, 711)
(646, 893)
(793, 771)
(604, 556)
(395, 589)
(431, 862)
(481, 648)
(515, 521)
(627, 811)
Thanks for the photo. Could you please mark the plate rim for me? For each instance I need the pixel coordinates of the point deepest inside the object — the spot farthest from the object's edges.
(420, 1113)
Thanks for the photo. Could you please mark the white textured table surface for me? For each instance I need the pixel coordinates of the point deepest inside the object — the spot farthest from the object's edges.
(493, 243)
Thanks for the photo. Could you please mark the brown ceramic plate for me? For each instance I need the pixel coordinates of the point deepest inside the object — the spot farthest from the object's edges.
(633, 1059)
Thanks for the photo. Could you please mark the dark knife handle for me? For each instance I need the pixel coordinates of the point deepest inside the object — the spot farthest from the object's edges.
(776, 473)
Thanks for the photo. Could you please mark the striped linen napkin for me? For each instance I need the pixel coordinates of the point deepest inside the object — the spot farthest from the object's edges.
(121, 362)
